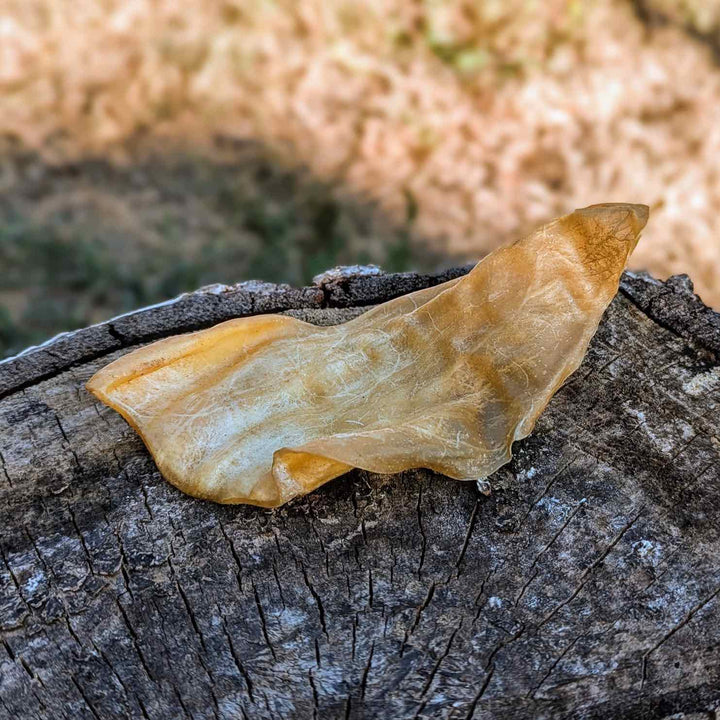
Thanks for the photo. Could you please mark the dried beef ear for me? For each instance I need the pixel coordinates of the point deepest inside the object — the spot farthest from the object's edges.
(263, 409)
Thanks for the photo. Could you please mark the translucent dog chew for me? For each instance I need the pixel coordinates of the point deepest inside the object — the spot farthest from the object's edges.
(263, 409)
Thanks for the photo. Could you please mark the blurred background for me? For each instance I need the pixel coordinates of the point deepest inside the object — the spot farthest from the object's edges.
(152, 146)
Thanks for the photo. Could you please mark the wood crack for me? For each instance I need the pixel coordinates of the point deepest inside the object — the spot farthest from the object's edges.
(694, 611)
(585, 576)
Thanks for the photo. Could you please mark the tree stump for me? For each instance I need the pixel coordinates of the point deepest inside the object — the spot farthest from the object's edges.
(586, 586)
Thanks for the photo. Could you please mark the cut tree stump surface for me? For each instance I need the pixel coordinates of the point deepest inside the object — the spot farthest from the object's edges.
(586, 586)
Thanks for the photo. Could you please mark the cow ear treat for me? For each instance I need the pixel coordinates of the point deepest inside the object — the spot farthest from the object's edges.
(263, 409)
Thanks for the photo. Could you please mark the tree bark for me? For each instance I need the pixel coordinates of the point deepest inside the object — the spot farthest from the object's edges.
(586, 586)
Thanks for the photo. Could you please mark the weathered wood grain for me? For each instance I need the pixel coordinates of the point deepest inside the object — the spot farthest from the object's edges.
(586, 586)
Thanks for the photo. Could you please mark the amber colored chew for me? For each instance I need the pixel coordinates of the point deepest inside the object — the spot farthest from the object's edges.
(263, 409)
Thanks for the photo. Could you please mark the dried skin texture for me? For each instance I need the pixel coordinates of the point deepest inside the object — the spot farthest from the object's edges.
(262, 409)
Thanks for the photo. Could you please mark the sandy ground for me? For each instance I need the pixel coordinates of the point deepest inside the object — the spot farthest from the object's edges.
(464, 123)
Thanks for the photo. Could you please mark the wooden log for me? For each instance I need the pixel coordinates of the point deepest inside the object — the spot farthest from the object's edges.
(586, 586)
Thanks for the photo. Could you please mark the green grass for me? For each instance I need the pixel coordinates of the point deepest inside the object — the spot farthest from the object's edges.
(76, 267)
